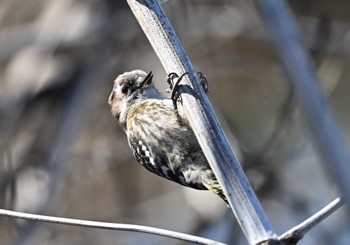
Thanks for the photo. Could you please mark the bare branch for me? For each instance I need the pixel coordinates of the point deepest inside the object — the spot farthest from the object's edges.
(109, 226)
(203, 120)
(297, 233)
(299, 68)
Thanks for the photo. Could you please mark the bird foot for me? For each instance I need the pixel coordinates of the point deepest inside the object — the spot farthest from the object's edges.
(174, 81)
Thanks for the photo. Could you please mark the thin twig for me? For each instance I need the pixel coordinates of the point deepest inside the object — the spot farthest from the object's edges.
(108, 226)
(198, 111)
(331, 143)
(297, 233)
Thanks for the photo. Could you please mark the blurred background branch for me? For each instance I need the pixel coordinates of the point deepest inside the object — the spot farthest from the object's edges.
(302, 75)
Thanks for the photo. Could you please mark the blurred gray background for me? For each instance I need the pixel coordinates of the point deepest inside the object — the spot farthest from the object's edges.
(63, 154)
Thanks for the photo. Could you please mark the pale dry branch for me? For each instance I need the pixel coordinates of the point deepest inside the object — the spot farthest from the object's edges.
(108, 226)
(297, 233)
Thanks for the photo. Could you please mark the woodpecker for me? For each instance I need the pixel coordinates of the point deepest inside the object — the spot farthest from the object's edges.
(159, 136)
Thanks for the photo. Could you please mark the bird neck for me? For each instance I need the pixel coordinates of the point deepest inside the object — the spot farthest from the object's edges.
(135, 101)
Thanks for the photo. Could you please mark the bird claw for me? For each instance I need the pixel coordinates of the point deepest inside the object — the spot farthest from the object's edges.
(174, 83)
(203, 81)
(170, 80)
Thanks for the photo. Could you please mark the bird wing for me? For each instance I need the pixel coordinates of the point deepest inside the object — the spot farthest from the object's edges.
(156, 164)
(144, 157)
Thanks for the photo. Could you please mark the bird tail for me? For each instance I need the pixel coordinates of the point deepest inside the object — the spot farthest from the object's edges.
(214, 186)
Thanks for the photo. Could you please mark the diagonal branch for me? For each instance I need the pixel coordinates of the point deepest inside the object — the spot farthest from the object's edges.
(240, 195)
(109, 226)
(297, 233)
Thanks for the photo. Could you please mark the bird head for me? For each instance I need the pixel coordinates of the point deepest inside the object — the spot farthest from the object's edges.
(130, 88)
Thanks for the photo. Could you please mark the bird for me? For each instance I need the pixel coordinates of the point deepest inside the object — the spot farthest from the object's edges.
(158, 133)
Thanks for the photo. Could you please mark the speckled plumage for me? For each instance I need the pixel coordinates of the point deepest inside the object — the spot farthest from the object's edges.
(160, 137)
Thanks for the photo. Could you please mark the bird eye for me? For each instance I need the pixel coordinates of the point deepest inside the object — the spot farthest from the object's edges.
(125, 89)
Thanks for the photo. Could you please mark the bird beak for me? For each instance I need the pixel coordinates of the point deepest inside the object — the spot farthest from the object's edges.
(148, 79)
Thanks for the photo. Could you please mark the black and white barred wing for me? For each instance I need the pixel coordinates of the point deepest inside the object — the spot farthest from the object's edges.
(144, 157)
(155, 164)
